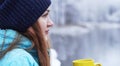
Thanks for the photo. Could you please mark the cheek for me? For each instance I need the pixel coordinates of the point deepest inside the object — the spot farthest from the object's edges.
(43, 25)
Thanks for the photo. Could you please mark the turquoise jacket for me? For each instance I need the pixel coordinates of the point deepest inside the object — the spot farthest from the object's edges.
(18, 56)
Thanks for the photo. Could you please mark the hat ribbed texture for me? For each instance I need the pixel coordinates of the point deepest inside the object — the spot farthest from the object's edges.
(21, 14)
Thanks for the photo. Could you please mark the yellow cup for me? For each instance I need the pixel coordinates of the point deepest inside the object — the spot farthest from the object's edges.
(85, 62)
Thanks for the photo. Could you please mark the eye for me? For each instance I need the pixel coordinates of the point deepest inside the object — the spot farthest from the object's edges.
(45, 15)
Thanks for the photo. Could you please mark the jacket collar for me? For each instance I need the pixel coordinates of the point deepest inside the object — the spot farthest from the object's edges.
(9, 36)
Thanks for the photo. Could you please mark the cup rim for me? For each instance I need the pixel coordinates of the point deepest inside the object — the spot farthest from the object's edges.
(83, 61)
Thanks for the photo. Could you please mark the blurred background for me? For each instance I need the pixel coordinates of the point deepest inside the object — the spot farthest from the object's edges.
(86, 29)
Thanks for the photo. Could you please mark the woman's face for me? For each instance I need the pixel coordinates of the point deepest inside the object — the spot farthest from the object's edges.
(45, 23)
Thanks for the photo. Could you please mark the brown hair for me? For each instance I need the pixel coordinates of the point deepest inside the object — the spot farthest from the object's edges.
(38, 42)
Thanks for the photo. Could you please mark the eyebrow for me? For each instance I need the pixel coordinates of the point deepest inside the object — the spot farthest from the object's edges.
(46, 12)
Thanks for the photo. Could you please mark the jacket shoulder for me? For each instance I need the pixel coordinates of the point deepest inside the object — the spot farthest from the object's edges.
(18, 57)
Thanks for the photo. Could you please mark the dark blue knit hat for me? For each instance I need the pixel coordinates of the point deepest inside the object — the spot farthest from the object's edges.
(21, 14)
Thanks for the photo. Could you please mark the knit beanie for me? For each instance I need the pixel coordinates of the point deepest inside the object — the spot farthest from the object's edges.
(19, 15)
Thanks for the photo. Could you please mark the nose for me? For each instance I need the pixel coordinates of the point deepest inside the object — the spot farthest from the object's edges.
(50, 23)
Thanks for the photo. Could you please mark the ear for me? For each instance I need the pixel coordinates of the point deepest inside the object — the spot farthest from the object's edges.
(30, 29)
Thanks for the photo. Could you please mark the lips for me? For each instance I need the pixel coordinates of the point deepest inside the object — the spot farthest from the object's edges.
(47, 31)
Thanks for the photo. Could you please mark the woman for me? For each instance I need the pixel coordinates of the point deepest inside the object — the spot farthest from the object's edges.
(24, 32)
